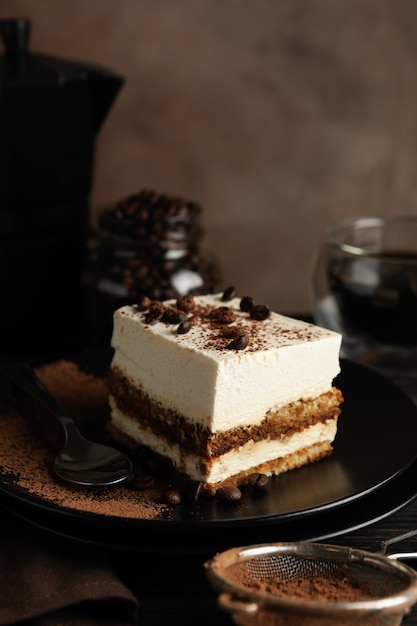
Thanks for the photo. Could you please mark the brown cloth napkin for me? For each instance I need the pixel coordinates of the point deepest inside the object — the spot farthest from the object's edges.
(49, 581)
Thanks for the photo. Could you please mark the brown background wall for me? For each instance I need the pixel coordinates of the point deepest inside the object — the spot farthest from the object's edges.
(278, 116)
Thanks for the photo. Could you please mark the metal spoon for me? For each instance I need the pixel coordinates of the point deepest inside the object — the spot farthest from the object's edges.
(80, 461)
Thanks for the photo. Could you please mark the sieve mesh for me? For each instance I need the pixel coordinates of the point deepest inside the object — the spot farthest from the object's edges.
(374, 581)
(257, 586)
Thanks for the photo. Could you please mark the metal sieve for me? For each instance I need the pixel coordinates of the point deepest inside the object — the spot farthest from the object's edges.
(256, 585)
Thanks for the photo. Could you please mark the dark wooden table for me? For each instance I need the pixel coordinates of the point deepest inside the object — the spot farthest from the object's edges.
(173, 589)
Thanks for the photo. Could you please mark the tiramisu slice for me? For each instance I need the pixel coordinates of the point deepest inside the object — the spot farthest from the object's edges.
(224, 388)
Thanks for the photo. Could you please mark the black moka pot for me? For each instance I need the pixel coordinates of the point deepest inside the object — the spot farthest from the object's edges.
(50, 113)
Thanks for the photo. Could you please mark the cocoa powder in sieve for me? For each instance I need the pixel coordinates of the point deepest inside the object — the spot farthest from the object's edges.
(318, 587)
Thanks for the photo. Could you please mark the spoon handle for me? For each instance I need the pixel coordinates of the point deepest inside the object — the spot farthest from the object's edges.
(24, 376)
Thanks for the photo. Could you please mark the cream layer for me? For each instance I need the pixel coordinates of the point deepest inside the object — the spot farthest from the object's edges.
(286, 360)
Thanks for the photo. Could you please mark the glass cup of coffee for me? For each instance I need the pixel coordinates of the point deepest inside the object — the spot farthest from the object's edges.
(364, 285)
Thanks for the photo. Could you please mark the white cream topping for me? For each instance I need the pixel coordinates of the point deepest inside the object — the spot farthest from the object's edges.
(197, 376)
(238, 460)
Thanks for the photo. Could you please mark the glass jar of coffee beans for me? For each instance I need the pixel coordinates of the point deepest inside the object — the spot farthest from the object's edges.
(146, 245)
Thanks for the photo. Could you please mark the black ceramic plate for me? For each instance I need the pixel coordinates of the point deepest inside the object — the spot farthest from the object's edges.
(149, 538)
(370, 474)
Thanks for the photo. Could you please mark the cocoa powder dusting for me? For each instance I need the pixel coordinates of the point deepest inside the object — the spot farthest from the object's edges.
(27, 448)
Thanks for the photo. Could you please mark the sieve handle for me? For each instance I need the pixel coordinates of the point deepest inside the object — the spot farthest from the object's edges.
(229, 602)
(402, 556)
(398, 556)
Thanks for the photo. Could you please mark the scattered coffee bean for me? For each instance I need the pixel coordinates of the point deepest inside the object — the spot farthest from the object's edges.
(233, 332)
(186, 303)
(173, 496)
(246, 304)
(239, 343)
(144, 304)
(260, 312)
(258, 480)
(172, 315)
(229, 493)
(228, 294)
(155, 312)
(223, 315)
(152, 318)
(184, 327)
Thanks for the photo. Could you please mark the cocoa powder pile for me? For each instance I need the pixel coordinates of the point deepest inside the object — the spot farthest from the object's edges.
(30, 439)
